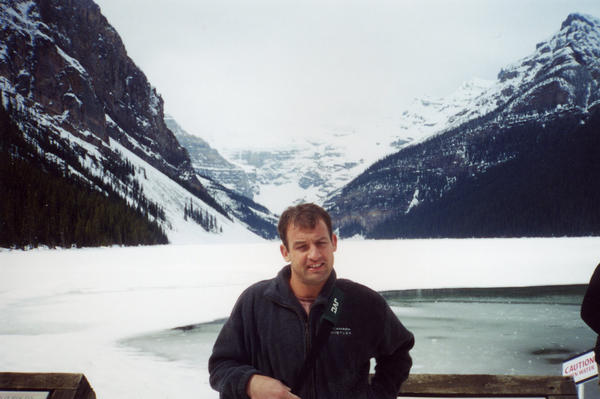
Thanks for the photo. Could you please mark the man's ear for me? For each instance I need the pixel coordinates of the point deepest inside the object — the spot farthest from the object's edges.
(284, 252)
(334, 241)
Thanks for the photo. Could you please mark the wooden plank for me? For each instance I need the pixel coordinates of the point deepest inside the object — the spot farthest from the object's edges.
(487, 385)
(84, 390)
(37, 381)
(61, 394)
(60, 385)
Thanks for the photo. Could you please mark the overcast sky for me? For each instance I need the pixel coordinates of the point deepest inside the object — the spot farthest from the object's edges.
(253, 72)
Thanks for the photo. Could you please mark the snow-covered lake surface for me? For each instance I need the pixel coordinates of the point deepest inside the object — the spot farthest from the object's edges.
(110, 313)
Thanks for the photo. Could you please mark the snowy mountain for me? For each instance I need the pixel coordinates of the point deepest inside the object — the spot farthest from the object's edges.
(81, 105)
(207, 161)
(313, 168)
(520, 158)
(302, 172)
(316, 169)
(428, 116)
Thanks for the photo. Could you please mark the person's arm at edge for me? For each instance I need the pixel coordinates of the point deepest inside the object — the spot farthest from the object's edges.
(591, 302)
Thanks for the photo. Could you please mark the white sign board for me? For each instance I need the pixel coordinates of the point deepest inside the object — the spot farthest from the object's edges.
(581, 368)
(23, 394)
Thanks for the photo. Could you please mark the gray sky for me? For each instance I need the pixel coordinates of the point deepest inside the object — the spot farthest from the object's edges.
(254, 72)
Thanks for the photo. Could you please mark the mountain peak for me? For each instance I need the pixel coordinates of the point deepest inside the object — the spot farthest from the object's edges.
(577, 20)
(580, 32)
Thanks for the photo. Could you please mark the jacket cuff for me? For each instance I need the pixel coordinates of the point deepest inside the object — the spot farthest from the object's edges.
(243, 383)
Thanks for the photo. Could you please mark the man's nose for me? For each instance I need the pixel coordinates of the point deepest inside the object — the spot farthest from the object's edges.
(313, 252)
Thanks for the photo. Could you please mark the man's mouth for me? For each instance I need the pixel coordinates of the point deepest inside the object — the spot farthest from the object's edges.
(314, 267)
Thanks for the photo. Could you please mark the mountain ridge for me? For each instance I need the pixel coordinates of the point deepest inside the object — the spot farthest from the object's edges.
(72, 90)
(540, 91)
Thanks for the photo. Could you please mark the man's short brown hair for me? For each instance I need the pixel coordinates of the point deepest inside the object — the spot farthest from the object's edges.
(304, 216)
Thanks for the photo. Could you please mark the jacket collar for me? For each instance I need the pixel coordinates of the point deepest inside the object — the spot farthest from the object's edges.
(279, 289)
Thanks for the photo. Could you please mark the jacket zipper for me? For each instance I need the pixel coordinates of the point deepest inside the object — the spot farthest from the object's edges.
(311, 376)
(306, 339)
(307, 342)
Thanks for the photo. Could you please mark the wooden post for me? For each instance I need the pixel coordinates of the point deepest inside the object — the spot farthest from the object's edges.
(58, 385)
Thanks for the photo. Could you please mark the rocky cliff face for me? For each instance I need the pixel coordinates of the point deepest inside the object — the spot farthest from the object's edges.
(207, 161)
(532, 106)
(562, 73)
(65, 57)
(67, 82)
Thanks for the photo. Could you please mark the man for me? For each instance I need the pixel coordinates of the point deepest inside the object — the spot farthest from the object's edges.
(263, 347)
(590, 309)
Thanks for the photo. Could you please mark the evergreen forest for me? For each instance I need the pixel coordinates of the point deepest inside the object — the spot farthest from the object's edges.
(44, 204)
(551, 189)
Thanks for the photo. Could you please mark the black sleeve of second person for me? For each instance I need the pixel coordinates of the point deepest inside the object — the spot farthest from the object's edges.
(590, 308)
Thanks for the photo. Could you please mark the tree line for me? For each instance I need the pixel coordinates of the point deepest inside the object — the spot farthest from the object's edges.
(43, 203)
(551, 189)
(203, 218)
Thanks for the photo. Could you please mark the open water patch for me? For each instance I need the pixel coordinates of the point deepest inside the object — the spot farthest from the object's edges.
(523, 330)
(553, 294)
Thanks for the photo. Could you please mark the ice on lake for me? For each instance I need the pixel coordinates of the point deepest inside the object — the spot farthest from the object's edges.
(495, 332)
(113, 313)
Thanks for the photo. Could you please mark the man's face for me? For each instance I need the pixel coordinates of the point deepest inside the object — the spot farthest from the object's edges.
(310, 253)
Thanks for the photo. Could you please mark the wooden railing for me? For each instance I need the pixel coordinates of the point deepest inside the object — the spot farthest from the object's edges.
(47, 385)
(76, 386)
(484, 385)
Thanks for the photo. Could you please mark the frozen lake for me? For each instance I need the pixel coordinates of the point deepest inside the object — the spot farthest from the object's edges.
(112, 313)
(529, 331)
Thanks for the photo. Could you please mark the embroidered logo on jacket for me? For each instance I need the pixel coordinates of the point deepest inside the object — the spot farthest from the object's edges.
(344, 331)
(335, 306)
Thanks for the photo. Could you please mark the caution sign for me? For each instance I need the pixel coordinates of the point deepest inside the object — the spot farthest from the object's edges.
(582, 367)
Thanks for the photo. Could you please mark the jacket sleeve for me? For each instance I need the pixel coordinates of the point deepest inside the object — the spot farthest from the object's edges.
(393, 362)
(229, 364)
(590, 308)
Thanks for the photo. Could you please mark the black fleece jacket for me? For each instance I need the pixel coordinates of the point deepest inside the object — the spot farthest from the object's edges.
(269, 333)
(590, 308)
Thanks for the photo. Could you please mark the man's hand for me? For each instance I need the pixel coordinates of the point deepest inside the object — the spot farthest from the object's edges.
(263, 387)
